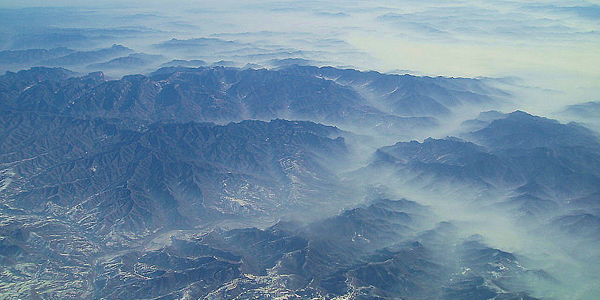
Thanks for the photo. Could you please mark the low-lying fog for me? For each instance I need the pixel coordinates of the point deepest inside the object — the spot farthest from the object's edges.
(547, 50)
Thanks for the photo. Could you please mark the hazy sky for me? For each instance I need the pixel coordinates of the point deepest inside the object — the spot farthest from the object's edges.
(552, 44)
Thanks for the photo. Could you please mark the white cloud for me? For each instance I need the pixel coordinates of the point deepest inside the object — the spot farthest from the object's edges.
(551, 43)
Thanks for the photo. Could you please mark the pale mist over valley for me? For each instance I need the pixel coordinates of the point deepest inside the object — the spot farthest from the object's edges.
(413, 150)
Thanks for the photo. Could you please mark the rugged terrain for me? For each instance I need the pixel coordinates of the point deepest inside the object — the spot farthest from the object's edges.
(226, 183)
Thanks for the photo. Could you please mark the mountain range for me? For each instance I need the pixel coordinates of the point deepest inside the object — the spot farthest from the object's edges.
(229, 183)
